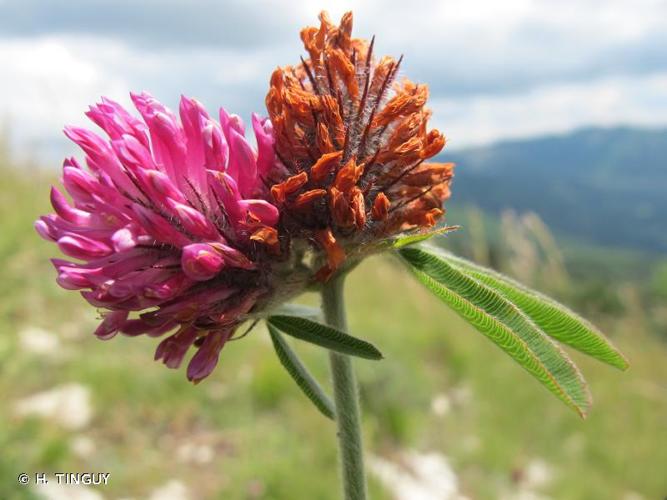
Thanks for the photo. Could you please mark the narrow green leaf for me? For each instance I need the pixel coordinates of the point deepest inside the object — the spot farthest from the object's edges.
(553, 318)
(504, 324)
(300, 374)
(412, 239)
(312, 313)
(324, 336)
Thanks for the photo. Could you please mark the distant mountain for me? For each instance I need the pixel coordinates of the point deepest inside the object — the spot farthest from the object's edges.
(607, 186)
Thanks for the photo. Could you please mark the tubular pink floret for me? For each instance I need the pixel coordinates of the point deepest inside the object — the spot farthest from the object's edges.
(161, 221)
(201, 261)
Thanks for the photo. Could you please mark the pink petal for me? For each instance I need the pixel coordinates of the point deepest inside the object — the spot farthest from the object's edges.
(231, 122)
(166, 135)
(116, 121)
(233, 257)
(81, 247)
(65, 211)
(205, 360)
(267, 213)
(216, 149)
(172, 350)
(110, 325)
(193, 117)
(124, 239)
(133, 154)
(227, 193)
(100, 156)
(158, 227)
(266, 156)
(43, 230)
(201, 261)
(168, 288)
(162, 185)
(242, 163)
(192, 220)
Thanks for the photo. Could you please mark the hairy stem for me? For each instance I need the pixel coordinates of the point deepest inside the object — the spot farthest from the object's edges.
(346, 398)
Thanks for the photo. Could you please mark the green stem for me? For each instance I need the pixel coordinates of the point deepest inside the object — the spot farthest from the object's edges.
(346, 397)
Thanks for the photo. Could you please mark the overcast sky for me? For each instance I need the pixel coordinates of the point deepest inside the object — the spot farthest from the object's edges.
(496, 69)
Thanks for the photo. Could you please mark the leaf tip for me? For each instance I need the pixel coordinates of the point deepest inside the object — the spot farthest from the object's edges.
(583, 409)
(376, 356)
(623, 363)
(624, 367)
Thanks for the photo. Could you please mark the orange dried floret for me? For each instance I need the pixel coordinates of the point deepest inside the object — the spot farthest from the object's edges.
(344, 125)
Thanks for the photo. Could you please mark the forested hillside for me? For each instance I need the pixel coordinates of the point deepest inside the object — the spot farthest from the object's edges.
(603, 186)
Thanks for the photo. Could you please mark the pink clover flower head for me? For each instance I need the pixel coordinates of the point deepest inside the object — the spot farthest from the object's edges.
(168, 229)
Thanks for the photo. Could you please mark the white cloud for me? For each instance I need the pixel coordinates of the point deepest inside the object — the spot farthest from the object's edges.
(49, 85)
(496, 69)
(54, 79)
(553, 109)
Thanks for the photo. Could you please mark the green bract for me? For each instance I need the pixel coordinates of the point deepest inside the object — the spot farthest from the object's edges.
(518, 320)
(525, 324)
(300, 374)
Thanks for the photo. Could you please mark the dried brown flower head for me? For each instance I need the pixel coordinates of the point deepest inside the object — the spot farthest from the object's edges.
(353, 141)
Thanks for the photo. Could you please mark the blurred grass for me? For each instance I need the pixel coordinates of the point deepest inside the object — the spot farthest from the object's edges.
(268, 441)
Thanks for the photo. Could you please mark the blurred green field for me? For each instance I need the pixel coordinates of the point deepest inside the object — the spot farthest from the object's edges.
(247, 432)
